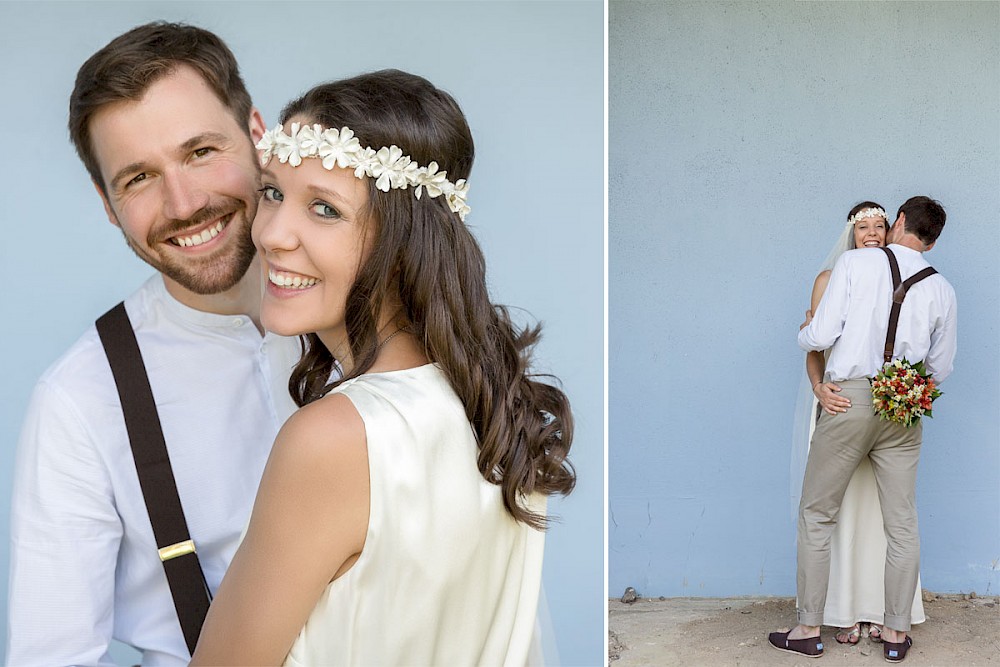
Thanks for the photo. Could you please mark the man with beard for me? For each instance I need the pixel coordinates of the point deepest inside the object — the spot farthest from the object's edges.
(164, 125)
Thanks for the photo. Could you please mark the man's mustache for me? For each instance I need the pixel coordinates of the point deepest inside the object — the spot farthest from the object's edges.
(210, 212)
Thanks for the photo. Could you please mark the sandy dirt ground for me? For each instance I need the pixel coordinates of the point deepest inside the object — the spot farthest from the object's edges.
(692, 632)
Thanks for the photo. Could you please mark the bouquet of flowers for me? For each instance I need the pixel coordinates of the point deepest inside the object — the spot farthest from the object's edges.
(903, 392)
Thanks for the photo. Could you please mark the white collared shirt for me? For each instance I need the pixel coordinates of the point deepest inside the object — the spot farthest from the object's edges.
(84, 563)
(853, 316)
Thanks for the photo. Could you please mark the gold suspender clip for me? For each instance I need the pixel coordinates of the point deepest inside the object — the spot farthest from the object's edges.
(174, 550)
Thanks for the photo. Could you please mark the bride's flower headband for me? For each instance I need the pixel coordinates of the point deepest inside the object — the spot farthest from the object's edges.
(340, 148)
(863, 213)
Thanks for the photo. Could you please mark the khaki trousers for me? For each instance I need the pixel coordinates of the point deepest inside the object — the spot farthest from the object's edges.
(839, 443)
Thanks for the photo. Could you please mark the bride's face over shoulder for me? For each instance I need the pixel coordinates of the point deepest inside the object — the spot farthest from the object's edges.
(311, 232)
(870, 232)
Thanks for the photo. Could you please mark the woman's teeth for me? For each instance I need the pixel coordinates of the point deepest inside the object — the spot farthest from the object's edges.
(289, 281)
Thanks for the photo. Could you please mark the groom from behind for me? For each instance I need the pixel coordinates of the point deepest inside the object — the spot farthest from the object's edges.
(851, 321)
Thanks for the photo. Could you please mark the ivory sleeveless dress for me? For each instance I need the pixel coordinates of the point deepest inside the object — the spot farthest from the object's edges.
(446, 576)
(856, 592)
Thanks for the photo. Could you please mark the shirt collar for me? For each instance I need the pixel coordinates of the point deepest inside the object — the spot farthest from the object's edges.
(902, 248)
(192, 315)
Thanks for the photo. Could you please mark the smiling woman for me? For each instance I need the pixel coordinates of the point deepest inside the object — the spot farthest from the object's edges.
(313, 234)
(419, 476)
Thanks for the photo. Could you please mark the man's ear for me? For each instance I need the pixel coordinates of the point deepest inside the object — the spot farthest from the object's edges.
(930, 246)
(257, 126)
(112, 218)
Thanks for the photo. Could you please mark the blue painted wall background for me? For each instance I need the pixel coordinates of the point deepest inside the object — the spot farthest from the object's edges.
(740, 134)
(530, 77)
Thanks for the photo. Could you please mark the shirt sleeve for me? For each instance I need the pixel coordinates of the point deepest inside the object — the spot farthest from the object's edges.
(828, 321)
(65, 536)
(940, 359)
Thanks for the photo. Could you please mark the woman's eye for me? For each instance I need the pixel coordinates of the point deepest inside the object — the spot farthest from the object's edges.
(324, 210)
(271, 193)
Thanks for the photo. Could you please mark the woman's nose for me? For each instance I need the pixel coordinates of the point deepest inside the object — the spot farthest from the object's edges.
(272, 230)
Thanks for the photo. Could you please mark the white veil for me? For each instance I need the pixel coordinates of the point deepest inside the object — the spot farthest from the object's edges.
(844, 243)
(806, 406)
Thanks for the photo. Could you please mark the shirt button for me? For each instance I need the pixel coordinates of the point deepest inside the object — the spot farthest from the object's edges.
(237, 322)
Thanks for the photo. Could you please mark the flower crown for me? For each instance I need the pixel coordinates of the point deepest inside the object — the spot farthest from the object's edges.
(340, 148)
(868, 213)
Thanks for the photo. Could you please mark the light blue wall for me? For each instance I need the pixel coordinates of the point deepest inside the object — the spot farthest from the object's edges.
(740, 134)
(530, 79)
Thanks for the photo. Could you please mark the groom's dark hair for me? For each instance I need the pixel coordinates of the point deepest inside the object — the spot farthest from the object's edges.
(924, 218)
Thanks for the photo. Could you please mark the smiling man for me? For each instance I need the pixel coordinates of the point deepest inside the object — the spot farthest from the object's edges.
(165, 127)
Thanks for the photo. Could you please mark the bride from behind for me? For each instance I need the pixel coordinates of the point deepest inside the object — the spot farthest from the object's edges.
(856, 592)
(400, 517)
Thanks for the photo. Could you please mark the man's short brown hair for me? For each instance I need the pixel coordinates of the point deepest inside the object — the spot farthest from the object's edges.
(132, 62)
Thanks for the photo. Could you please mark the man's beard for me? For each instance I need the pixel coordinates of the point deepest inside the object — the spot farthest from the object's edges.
(213, 273)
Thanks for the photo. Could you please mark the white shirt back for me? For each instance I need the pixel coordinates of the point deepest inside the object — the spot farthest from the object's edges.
(853, 316)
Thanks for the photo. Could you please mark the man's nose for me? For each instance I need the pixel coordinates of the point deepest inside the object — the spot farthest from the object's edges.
(183, 195)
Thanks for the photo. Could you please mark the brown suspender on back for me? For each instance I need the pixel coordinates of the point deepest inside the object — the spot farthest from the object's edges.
(899, 289)
(156, 478)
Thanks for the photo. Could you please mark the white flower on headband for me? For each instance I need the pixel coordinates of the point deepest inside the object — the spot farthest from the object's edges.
(433, 180)
(387, 165)
(867, 213)
(288, 148)
(393, 169)
(337, 148)
(456, 194)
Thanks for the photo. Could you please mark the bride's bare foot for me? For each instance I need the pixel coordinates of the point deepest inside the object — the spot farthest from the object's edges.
(851, 635)
(875, 633)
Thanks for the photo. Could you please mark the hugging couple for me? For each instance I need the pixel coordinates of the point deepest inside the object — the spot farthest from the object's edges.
(877, 310)
(397, 464)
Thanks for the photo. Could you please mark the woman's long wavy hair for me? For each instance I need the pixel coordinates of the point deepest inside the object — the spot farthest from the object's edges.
(421, 252)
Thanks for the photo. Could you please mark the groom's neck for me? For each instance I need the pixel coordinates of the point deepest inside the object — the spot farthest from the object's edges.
(912, 242)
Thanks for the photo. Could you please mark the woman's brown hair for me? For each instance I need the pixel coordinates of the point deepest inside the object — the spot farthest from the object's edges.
(423, 253)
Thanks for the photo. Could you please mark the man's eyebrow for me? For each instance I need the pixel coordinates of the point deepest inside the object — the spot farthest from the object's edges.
(133, 168)
(204, 138)
(196, 141)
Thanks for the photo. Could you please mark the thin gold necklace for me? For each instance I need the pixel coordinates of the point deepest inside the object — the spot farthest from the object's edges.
(390, 337)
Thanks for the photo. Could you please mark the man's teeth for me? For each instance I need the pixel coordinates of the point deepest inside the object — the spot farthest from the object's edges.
(290, 282)
(198, 239)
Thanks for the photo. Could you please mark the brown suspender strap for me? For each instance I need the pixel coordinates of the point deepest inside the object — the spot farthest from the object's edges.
(156, 478)
(899, 289)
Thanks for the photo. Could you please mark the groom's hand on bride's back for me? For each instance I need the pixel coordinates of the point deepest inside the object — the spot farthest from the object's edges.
(831, 401)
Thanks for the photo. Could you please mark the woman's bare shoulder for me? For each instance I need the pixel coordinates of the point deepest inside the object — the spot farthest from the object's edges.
(819, 287)
(323, 433)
